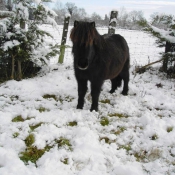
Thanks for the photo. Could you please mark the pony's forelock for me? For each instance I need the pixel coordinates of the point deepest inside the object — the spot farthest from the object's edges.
(84, 33)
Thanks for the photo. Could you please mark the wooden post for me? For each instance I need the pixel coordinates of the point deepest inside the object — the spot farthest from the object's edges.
(63, 40)
(22, 24)
(165, 61)
(112, 22)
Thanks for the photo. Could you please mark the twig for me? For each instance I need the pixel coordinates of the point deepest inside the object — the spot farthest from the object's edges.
(141, 69)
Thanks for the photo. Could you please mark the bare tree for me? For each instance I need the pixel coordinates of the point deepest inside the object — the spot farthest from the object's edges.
(135, 16)
(58, 6)
(60, 11)
(9, 5)
(2, 5)
(161, 20)
(71, 7)
(79, 14)
(75, 12)
(82, 13)
(106, 20)
(95, 17)
(123, 18)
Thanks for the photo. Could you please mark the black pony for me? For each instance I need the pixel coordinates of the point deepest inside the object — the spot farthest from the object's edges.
(97, 58)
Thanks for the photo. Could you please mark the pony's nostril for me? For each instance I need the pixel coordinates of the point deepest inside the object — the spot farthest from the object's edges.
(83, 64)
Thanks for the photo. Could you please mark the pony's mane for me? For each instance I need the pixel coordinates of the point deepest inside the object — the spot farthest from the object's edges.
(85, 33)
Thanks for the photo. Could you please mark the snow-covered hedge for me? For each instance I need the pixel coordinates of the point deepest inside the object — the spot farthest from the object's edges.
(23, 40)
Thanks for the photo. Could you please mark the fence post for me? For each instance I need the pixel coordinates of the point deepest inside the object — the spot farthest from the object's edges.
(63, 40)
(165, 61)
(112, 22)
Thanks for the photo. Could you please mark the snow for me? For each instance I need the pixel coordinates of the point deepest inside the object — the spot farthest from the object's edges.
(51, 21)
(37, 1)
(165, 34)
(114, 10)
(23, 12)
(3, 23)
(138, 140)
(10, 44)
(49, 10)
(6, 13)
(113, 20)
(67, 15)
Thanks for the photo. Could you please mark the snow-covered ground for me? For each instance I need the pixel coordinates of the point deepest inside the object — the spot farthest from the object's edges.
(130, 135)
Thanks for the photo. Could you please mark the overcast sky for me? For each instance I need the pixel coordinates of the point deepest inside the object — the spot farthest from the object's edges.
(103, 7)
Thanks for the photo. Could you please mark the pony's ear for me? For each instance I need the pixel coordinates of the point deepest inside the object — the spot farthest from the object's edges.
(92, 24)
(76, 23)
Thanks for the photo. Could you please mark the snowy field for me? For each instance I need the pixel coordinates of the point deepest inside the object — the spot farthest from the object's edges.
(42, 132)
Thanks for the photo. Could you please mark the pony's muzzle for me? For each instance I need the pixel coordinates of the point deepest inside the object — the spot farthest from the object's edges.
(82, 68)
(83, 65)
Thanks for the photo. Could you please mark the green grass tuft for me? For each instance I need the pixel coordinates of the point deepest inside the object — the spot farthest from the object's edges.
(119, 130)
(104, 121)
(65, 161)
(73, 123)
(16, 134)
(31, 154)
(14, 97)
(169, 129)
(105, 101)
(68, 99)
(107, 140)
(47, 96)
(30, 139)
(33, 127)
(125, 147)
(154, 137)
(18, 119)
(118, 115)
(141, 156)
(63, 142)
(42, 109)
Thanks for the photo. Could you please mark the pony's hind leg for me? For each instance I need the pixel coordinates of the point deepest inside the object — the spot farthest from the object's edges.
(125, 77)
(82, 89)
(115, 82)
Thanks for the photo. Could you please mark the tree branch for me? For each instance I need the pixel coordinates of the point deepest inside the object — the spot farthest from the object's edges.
(142, 69)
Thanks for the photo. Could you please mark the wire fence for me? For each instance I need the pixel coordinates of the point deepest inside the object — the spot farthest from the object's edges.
(143, 48)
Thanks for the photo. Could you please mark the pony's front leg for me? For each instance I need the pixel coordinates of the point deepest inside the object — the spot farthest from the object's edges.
(82, 88)
(95, 92)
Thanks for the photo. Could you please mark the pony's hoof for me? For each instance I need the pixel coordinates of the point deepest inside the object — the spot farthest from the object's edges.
(79, 107)
(125, 93)
(111, 91)
(94, 109)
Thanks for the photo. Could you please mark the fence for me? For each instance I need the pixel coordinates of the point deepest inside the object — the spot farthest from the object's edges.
(111, 30)
(142, 46)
